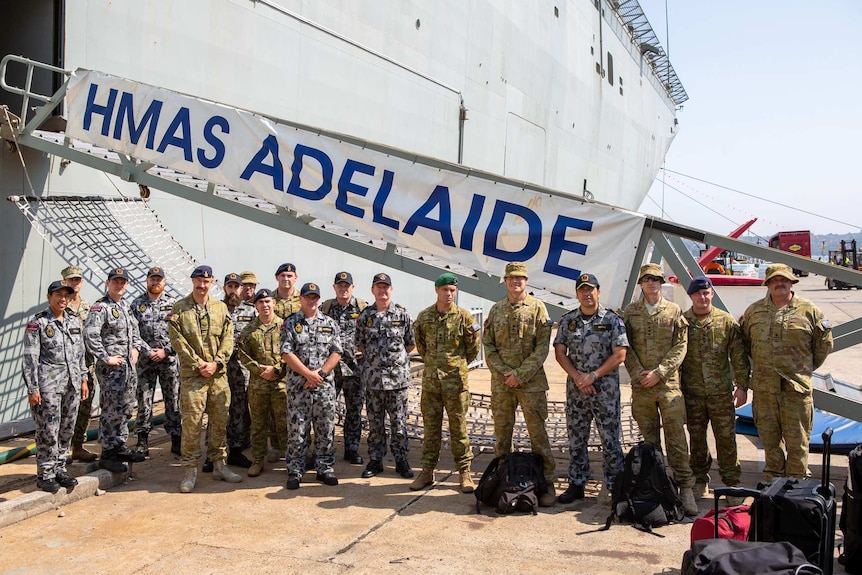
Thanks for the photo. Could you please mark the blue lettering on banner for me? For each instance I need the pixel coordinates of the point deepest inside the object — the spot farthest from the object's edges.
(126, 111)
(182, 123)
(380, 200)
(213, 140)
(498, 217)
(106, 111)
(346, 186)
(438, 198)
(295, 187)
(559, 244)
(469, 228)
(269, 147)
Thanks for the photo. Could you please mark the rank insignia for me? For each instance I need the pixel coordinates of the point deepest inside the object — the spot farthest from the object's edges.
(115, 313)
(49, 331)
(142, 307)
(369, 322)
(298, 328)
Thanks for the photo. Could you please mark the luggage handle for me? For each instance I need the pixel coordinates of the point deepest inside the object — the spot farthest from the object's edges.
(827, 462)
(732, 492)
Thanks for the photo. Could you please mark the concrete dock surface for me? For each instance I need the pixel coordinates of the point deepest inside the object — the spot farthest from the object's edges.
(140, 523)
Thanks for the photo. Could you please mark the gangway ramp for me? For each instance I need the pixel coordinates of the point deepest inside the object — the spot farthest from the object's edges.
(404, 211)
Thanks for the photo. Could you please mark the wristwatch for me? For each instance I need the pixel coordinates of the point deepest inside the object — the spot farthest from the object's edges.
(322, 373)
(593, 375)
(219, 364)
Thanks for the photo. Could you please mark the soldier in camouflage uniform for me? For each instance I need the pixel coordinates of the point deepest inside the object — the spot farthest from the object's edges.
(447, 338)
(787, 337)
(344, 309)
(285, 295)
(112, 337)
(714, 345)
(658, 336)
(384, 336)
(259, 347)
(151, 310)
(73, 276)
(311, 348)
(239, 419)
(591, 344)
(55, 374)
(516, 339)
(201, 334)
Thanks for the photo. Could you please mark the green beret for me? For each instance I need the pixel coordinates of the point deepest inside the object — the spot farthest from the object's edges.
(447, 279)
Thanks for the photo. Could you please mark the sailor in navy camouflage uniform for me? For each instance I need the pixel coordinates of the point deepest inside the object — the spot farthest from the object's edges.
(384, 335)
(590, 345)
(344, 308)
(239, 417)
(152, 310)
(55, 374)
(311, 348)
(111, 335)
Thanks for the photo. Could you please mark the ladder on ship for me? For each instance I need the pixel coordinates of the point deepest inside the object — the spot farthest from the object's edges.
(663, 239)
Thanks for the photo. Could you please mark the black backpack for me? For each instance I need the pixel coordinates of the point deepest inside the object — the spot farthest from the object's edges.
(513, 482)
(644, 493)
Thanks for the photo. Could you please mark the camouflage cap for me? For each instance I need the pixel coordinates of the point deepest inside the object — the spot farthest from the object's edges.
(650, 270)
(782, 270)
(72, 272)
(516, 269)
(248, 277)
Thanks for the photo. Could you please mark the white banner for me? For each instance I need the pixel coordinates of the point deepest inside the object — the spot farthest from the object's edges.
(470, 221)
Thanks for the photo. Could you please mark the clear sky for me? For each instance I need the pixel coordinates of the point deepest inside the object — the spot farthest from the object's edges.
(774, 111)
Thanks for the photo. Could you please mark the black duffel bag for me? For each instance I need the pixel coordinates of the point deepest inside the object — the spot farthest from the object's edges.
(731, 557)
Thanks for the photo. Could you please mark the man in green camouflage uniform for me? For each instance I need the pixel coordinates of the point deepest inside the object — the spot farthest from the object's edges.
(658, 335)
(260, 352)
(787, 338)
(201, 334)
(517, 340)
(447, 338)
(73, 276)
(286, 295)
(714, 346)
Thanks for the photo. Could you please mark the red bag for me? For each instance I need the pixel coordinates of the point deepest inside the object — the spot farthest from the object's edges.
(733, 523)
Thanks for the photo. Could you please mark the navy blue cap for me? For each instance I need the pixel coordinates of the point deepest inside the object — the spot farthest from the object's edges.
(156, 271)
(202, 272)
(262, 294)
(285, 268)
(58, 285)
(309, 289)
(118, 273)
(587, 280)
(381, 279)
(698, 283)
(343, 277)
(232, 278)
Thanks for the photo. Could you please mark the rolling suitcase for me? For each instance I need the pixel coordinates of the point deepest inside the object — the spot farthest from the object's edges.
(800, 511)
(851, 515)
(725, 556)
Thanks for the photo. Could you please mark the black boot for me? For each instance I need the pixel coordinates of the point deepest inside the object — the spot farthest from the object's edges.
(208, 466)
(176, 444)
(236, 458)
(143, 445)
(109, 460)
(403, 469)
(123, 453)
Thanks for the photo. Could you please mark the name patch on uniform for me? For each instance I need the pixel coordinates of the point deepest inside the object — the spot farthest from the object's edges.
(245, 318)
(115, 313)
(75, 330)
(397, 322)
(602, 327)
(165, 308)
(325, 329)
(32, 326)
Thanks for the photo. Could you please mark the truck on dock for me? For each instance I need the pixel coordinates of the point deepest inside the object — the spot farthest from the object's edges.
(796, 242)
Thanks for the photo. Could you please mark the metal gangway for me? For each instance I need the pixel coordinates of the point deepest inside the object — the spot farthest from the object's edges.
(657, 239)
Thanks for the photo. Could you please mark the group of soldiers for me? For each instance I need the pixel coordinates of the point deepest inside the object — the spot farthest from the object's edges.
(265, 366)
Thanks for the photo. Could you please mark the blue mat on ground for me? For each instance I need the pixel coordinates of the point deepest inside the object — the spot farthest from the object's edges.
(846, 433)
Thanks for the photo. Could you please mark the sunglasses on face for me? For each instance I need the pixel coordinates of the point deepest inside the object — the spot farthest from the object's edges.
(650, 279)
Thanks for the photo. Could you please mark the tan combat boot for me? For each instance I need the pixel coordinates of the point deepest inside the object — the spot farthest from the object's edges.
(467, 485)
(424, 479)
(223, 472)
(549, 498)
(699, 490)
(80, 453)
(187, 485)
(256, 468)
(689, 505)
